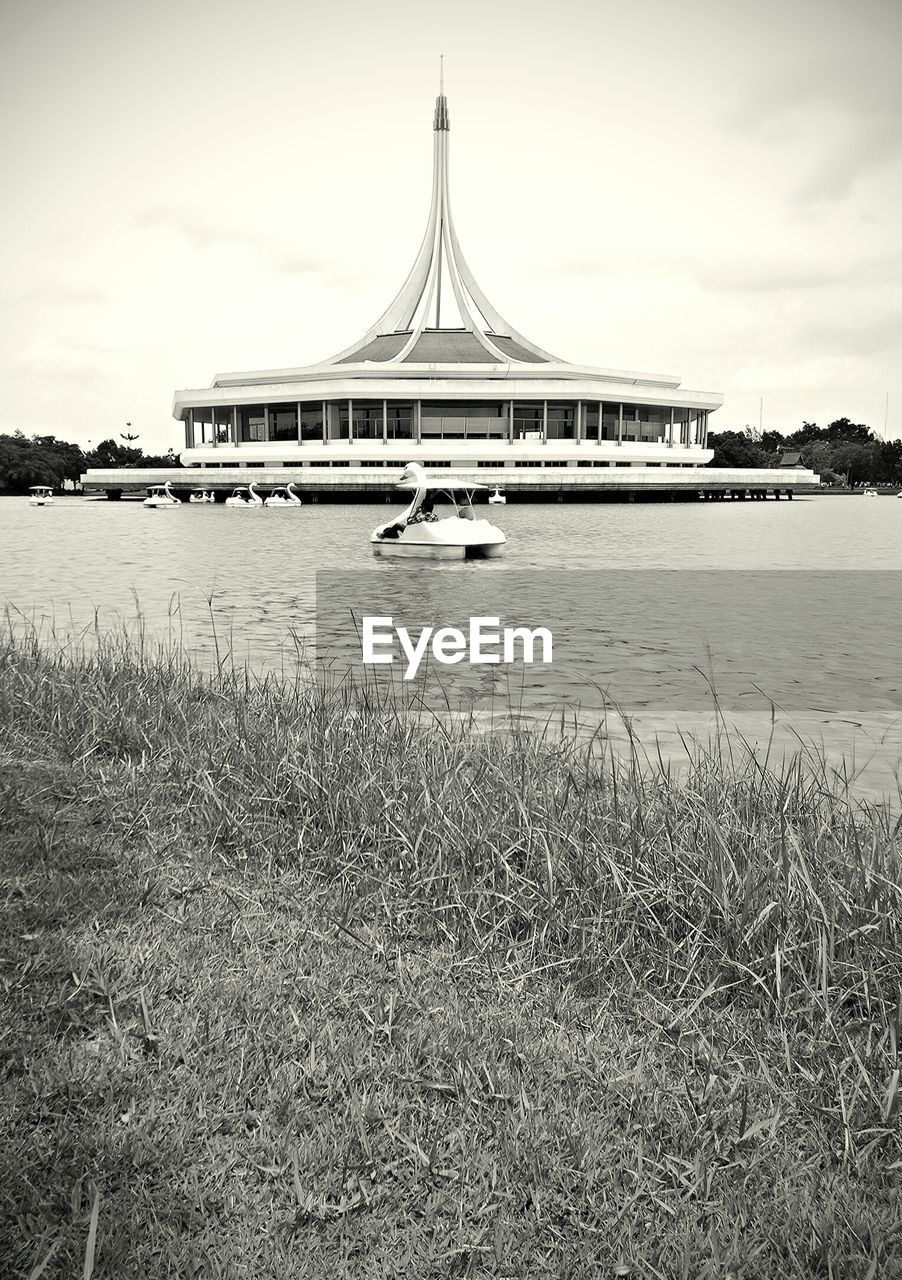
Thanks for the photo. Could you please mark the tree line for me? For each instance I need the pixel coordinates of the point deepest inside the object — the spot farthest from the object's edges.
(27, 460)
(843, 452)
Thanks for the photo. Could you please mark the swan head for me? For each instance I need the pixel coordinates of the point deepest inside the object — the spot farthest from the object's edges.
(412, 474)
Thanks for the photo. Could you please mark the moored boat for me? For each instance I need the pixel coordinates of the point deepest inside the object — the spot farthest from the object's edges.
(497, 498)
(244, 497)
(40, 495)
(161, 495)
(283, 498)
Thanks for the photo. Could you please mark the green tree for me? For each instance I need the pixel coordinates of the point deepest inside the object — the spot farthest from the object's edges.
(736, 449)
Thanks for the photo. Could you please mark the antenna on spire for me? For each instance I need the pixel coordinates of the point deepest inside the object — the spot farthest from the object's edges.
(441, 73)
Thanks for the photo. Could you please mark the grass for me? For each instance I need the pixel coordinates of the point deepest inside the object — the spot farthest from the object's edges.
(295, 986)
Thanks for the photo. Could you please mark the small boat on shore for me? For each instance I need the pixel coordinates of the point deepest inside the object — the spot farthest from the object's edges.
(202, 495)
(161, 495)
(244, 497)
(40, 495)
(497, 498)
(870, 493)
(421, 531)
(283, 498)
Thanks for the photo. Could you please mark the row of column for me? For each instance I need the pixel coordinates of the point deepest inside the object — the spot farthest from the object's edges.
(701, 431)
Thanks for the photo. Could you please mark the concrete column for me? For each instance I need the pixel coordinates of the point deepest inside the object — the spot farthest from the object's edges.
(577, 421)
(418, 423)
(325, 424)
(620, 424)
(266, 422)
(385, 422)
(544, 422)
(234, 424)
(670, 432)
(213, 411)
(510, 422)
(189, 430)
(299, 421)
(600, 420)
(350, 422)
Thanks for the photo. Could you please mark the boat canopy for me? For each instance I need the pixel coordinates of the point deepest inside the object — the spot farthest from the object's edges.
(41, 488)
(445, 483)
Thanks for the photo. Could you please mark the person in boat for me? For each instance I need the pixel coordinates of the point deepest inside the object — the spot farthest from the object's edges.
(465, 511)
(425, 514)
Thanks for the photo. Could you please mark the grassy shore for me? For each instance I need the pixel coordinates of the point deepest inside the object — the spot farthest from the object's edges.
(296, 986)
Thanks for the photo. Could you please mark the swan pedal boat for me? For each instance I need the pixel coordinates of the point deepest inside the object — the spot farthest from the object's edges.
(870, 493)
(202, 495)
(161, 495)
(283, 498)
(418, 533)
(497, 498)
(244, 497)
(40, 495)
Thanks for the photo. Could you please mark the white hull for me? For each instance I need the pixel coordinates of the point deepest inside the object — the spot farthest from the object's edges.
(40, 502)
(437, 551)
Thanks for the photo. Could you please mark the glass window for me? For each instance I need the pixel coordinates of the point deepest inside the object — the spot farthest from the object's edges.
(367, 419)
(251, 423)
(283, 422)
(337, 424)
(561, 421)
(400, 421)
(630, 422)
(222, 425)
(527, 420)
(610, 420)
(312, 421)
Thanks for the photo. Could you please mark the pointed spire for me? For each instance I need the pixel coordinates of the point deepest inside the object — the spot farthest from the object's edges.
(401, 333)
(441, 120)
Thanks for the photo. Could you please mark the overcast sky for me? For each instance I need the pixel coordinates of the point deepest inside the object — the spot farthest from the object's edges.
(704, 188)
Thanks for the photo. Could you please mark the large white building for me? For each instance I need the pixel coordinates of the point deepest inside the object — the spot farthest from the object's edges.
(444, 379)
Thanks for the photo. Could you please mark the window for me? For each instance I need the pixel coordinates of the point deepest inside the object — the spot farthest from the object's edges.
(367, 419)
(251, 424)
(283, 422)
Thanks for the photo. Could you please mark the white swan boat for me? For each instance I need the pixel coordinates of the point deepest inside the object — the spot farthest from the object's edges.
(283, 498)
(244, 497)
(161, 495)
(497, 498)
(40, 495)
(870, 493)
(421, 531)
(202, 495)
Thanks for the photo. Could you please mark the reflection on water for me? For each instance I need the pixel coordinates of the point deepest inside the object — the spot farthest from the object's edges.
(243, 581)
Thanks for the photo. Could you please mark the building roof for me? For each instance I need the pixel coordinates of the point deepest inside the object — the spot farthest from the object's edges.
(441, 285)
(791, 460)
(440, 328)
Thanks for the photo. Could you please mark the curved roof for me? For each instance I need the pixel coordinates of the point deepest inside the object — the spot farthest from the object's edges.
(410, 330)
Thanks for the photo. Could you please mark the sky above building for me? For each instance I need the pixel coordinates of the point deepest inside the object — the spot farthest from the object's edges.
(704, 189)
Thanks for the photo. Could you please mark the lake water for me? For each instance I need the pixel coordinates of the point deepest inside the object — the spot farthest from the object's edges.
(827, 633)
